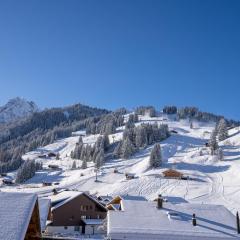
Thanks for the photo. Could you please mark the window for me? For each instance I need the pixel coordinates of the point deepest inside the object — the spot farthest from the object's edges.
(90, 207)
(76, 228)
(98, 216)
(83, 217)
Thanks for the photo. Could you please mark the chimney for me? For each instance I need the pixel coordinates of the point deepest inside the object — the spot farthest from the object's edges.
(159, 201)
(194, 220)
(238, 225)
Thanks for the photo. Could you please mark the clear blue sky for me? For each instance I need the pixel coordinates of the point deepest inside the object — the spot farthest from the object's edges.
(122, 53)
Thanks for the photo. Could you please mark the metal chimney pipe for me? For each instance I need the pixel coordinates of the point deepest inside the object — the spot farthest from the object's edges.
(194, 220)
(159, 201)
(238, 225)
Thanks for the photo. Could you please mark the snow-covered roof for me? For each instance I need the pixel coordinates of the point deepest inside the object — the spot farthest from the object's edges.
(93, 221)
(131, 197)
(66, 196)
(142, 220)
(44, 206)
(63, 197)
(15, 213)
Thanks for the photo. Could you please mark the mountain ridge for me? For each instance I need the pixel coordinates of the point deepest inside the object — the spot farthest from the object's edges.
(17, 108)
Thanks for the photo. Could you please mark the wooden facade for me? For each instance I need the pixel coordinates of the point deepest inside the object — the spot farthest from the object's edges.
(34, 228)
(71, 213)
(171, 173)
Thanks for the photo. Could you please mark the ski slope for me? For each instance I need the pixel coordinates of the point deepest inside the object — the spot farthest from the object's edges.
(211, 181)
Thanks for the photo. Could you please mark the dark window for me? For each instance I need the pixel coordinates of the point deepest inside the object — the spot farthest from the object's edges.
(76, 228)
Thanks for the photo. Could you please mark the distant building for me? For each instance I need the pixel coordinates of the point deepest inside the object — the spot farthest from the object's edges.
(104, 200)
(115, 203)
(130, 176)
(53, 166)
(7, 180)
(52, 154)
(19, 216)
(77, 212)
(138, 220)
(172, 173)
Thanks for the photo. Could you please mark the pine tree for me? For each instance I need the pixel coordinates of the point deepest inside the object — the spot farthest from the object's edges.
(220, 154)
(118, 150)
(99, 159)
(222, 130)
(156, 156)
(84, 164)
(128, 148)
(213, 141)
(74, 166)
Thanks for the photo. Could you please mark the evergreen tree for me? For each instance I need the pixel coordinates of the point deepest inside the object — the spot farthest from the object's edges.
(99, 159)
(213, 141)
(74, 166)
(128, 148)
(222, 130)
(118, 150)
(27, 170)
(156, 156)
(220, 154)
(84, 163)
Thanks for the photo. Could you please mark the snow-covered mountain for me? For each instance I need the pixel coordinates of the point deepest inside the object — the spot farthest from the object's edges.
(211, 180)
(15, 109)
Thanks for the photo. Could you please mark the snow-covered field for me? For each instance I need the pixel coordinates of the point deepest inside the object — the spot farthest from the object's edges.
(211, 181)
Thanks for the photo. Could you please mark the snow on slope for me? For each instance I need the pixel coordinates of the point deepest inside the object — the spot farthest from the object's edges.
(212, 181)
(16, 108)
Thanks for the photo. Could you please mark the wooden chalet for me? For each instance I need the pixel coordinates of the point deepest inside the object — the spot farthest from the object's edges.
(115, 203)
(7, 181)
(130, 176)
(52, 154)
(45, 184)
(172, 173)
(75, 211)
(20, 217)
(53, 166)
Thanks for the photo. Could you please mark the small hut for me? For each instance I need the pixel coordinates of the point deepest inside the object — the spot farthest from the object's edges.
(7, 181)
(52, 154)
(45, 184)
(53, 166)
(130, 176)
(171, 173)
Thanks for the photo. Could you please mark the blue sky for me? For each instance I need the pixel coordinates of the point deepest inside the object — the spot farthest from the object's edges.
(122, 53)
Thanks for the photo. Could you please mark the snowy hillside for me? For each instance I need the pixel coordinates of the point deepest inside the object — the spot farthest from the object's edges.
(15, 109)
(210, 180)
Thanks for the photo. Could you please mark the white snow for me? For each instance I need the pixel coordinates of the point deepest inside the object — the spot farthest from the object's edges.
(16, 108)
(15, 211)
(143, 220)
(212, 182)
(44, 207)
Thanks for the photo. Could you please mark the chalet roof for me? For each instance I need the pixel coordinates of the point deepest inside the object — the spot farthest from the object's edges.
(15, 213)
(44, 206)
(67, 196)
(126, 197)
(142, 220)
(172, 171)
(63, 197)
